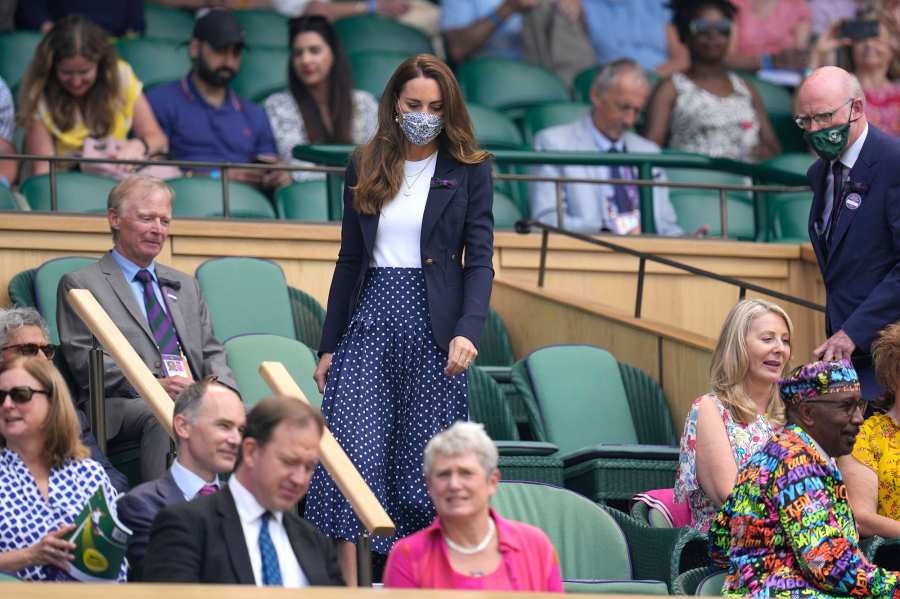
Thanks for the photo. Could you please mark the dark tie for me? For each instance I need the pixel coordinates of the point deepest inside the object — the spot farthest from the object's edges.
(159, 320)
(837, 174)
(622, 196)
(271, 571)
(207, 490)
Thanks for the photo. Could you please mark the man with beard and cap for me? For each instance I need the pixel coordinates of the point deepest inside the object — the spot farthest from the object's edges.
(786, 529)
(204, 118)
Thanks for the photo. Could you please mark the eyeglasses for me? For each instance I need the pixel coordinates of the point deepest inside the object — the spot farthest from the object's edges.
(32, 349)
(701, 27)
(850, 406)
(822, 119)
(19, 395)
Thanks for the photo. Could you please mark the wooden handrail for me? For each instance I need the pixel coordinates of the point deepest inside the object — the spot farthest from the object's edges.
(347, 478)
(133, 367)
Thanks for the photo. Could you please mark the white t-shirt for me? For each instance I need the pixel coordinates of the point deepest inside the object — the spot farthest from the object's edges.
(398, 239)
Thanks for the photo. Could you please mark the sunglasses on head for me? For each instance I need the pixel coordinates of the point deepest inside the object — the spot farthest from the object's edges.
(32, 349)
(19, 395)
(701, 27)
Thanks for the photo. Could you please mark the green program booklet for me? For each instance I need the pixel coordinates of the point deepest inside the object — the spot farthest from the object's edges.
(100, 541)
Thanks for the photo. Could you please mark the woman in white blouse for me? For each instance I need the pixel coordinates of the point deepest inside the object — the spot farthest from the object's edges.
(320, 105)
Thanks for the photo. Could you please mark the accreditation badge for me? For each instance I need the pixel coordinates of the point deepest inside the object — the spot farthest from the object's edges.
(175, 365)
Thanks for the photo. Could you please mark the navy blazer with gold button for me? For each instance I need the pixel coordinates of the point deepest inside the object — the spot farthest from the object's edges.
(457, 223)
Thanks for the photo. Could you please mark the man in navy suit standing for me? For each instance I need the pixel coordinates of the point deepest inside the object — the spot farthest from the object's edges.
(208, 421)
(854, 223)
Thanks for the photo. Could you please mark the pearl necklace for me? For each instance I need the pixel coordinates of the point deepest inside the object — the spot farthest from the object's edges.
(477, 548)
(409, 186)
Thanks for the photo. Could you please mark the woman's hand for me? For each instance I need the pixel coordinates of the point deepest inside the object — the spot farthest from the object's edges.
(321, 373)
(53, 549)
(460, 355)
(826, 45)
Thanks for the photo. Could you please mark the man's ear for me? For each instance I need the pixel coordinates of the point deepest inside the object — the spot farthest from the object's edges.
(181, 426)
(806, 414)
(194, 49)
(249, 449)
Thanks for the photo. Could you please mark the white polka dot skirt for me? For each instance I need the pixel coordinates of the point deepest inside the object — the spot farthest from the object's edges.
(386, 397)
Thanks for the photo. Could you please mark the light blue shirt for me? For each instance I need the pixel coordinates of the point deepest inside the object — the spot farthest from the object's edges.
(633, 29)
(505, 42)
(129, 270)
(189, 483)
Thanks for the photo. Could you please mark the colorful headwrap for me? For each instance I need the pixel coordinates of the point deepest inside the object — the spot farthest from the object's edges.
(812, 381)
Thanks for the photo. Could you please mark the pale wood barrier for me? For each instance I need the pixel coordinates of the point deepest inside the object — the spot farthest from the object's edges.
(342, 471)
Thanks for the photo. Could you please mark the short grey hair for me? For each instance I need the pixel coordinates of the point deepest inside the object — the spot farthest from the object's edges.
(14, 318)
(855, 90)
(612, 70)
(462, 437)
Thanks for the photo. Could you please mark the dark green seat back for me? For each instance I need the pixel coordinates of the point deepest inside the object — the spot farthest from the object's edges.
(246, 352)
(778, 105)
(493, 129)
(46, 282)
(488, 406)
(201, 197)
(538, 118)
(794, 162)
(508, 85)
(789, 216)
(164, 23)
(303, 200)
(16, 51)
(155, 61)
(649, 408)
(581, 396)
(495, 348)
(372, 70)
(21, 289)
(711, 586)
(263, 72)
(263, 28)
(376, 33)
(695, 207)
(309, 317)
(76, 192)
(8, 200)
(246, 295)
(506, 213)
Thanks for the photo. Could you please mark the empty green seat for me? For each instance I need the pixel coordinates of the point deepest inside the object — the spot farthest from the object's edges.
(309, 317)
(201, 197)
(165, 23)
(376, 33)
(46, 283)
(695, 207)
(246, 295)
(155, 61)
(263, 72)
(506, 213)
(76, 192)
(246, 352)
(372, 70)
(789, 216)
(263, 28)
(16, 51)
(542, 116)
(21, 289)
(493, 129)
(509, 85)
(303, 200)
(8, 200)
(593, 551)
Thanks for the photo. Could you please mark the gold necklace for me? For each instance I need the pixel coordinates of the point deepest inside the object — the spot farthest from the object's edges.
(409, 186)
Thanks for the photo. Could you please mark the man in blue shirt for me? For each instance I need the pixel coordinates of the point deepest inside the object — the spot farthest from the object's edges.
(204, 118)
(474, 28)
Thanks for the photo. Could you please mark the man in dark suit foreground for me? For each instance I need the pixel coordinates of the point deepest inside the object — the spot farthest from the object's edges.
(248, 533)
(207, 422)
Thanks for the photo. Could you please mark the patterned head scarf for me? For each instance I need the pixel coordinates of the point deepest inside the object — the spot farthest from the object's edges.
(817, 379)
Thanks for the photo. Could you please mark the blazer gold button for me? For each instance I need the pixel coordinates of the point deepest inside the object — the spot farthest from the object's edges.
(428, 261)
(452, 257)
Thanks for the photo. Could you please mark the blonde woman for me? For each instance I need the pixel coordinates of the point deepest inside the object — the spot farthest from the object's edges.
(726, 426)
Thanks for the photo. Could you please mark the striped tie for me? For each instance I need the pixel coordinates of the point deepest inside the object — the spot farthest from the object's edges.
(159, 320)
(271, 571)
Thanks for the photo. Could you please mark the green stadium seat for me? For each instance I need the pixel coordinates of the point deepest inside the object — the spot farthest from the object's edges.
(16, 51)
(494, 348)
(76, 192)
(309, 317)
(794, 162)
(509, 86)
(493, 129)
(8, 200)
(695, 207)
(789, 216)
(593, 551)
(778, 105)
(263, 28)
(303, 200)
(263, 72)
(706, 580)
(506, 213)
(376, 33)
(372, 70)
(201, 197)
(46, 282)
(246, 352)
(538, 118)
(164, 23)
(21, 289)
(8, 578)
(155, 61)
(246, 295)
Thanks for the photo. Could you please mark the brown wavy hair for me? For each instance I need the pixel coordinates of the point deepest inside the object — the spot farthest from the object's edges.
(61, 430)
(886, 356)
(73, 35)
(379, 163)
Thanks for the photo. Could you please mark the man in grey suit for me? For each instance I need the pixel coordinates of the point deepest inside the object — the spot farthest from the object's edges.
(208, 422)
(175, 341)
(618, 94)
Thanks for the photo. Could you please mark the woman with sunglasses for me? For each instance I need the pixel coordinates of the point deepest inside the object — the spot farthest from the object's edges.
(46, 477)
(320, 105)
(708, 109)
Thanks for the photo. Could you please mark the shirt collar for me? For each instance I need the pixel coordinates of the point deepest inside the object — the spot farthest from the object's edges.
(129, 268)
(505, 540)
(188, 482)
(605, 144)
(249, 509)
(191, 91)
(851, 155)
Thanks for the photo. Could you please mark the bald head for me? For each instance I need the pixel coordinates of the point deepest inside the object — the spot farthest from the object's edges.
(830, 89)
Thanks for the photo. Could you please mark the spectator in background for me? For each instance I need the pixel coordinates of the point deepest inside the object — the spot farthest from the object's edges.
(770, 34)
(825, 13)
(474, 28)
(8, 168)
(117, 18)
(204, 118)
(76, 91)
(708, 109)
(738, 416)
(320, 105)
(618, 95)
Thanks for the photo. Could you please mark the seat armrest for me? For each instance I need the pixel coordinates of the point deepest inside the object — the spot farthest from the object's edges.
(622, 451)
(525, 448)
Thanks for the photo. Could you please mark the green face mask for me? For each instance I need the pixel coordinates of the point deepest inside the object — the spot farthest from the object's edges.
(829, 143)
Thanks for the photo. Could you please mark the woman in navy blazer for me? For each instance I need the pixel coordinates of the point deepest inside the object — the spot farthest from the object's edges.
(408, 298)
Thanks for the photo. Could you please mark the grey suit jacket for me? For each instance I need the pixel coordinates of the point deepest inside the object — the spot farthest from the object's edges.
(137, 509)
(104, 279)
(585, 203)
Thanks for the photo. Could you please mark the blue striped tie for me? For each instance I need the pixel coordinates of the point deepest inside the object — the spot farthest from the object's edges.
(271, 571)
(159, 320)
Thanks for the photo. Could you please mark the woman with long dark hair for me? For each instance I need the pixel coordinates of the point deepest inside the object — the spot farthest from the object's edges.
(408, 299)
(320, 105)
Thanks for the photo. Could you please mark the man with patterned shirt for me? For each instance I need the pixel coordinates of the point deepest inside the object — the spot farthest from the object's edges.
(787, 530)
